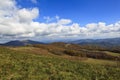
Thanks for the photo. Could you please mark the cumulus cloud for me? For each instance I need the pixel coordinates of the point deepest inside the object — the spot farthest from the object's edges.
(27, 15)
(18, 23)
(64, 21)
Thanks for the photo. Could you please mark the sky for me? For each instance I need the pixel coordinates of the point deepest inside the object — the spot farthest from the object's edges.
(80, 11)
(55, 20)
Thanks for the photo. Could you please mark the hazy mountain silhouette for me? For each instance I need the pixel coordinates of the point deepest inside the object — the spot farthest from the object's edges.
(100, 42)
(21, 43)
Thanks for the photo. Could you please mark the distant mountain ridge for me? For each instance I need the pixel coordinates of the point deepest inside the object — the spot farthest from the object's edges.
(100, 42)
(109, 42)
(21, 43)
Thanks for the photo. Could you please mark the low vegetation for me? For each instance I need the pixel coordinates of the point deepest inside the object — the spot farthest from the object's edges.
(57, 62)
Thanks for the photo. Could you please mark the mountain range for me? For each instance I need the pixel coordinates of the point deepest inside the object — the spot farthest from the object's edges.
(99, 42)
(21, 43)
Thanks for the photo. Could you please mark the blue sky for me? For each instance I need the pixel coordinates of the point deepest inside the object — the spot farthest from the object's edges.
(79, 11)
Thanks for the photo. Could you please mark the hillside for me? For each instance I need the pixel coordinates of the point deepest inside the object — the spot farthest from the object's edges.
(58, 61)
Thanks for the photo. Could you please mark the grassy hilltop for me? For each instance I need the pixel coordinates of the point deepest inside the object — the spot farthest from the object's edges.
(58, 61)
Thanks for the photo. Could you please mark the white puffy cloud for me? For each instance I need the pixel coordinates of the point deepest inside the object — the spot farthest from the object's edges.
(7, 4)
(18, 23)
(64, 21)
(27, 15)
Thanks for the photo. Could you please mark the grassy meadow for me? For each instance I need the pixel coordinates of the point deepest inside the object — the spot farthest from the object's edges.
(31, 63)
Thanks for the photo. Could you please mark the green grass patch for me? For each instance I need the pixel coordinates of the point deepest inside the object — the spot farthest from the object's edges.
(15, 65)
(112, 53)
